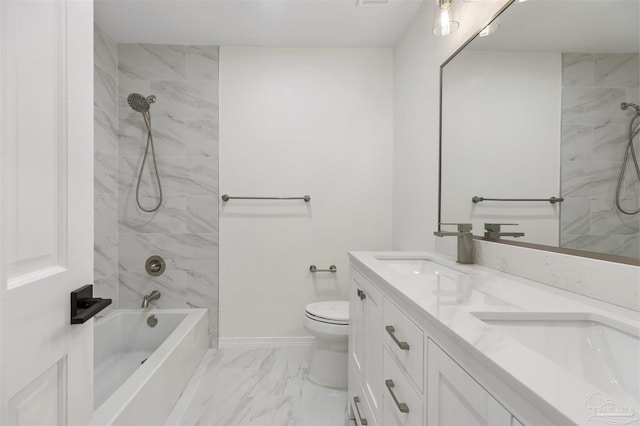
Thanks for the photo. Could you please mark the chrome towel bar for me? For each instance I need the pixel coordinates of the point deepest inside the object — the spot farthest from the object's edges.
(332, 268)
(226, 197)
(551, 200)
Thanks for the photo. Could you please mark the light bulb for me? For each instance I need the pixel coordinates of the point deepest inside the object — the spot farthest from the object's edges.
(446, 18)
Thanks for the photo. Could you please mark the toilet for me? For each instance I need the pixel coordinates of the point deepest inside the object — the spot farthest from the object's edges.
(329, 322)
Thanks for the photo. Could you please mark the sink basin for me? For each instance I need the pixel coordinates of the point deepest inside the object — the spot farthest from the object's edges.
(420, 267)
(601, 350)
(451, 286)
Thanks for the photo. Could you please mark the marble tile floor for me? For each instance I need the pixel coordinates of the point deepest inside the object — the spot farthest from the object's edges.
(258, 387)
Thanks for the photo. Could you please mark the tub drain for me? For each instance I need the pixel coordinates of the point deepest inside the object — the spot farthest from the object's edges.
(152, 321)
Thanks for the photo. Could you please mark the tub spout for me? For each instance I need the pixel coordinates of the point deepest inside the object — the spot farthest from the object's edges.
(154, 295)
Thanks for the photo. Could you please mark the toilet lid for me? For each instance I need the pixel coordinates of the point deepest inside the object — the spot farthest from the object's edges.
(335, 311)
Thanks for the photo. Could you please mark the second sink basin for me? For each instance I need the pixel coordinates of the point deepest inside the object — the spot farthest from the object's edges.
(603, 351)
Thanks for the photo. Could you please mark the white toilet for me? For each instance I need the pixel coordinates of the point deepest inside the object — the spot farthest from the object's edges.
(329, 323)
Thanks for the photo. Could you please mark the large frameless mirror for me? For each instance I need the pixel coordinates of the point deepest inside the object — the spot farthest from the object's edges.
(539, 128)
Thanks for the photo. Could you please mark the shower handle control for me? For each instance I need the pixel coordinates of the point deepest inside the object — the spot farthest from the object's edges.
(155, 265)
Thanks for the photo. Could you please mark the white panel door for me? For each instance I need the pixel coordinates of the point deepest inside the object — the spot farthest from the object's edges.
(46, 206)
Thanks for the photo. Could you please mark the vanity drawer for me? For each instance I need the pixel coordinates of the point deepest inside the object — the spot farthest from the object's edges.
(406, 341)
(361, 411)
(389, 414)
(358, 401)
(399, 393)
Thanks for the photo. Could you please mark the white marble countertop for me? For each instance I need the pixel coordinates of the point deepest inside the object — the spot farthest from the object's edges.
(450, 304)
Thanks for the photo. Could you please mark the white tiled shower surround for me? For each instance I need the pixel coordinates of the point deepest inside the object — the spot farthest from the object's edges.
(184, 231)
(594, 136)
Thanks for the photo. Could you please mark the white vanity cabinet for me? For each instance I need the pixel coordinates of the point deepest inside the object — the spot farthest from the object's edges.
(365, 349)
(405, 341)
(435, 343)
(400, 376)
(401, 397)
(455, 398)
(403, 367)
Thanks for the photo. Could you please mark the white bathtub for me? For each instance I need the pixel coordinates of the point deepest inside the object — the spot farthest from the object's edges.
(140, 371)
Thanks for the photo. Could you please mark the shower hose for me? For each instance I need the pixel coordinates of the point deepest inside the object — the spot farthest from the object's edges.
(147, 121)
(629, 151)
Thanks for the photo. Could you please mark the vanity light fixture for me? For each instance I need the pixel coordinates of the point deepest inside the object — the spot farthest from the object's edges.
(446, 19)
(490, 29)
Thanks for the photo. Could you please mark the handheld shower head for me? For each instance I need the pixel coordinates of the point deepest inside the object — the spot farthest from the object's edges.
(139, 103)
(625, 105)
(142, 104)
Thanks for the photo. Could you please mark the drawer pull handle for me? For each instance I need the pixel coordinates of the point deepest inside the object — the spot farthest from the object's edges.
(356, 400)
(402, 345)
(404, 408)
(361, 294)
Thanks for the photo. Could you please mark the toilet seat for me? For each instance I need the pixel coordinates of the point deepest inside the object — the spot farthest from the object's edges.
(325, 320)
(329, 312)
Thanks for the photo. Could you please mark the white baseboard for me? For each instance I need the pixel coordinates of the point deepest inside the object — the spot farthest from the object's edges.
(265, 342)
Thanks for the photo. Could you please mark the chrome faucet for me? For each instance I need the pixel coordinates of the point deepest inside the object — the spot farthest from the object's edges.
(492, 230)
(154, 295)
(465, 240)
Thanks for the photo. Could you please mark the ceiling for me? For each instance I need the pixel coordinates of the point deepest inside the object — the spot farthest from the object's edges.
(291, 23)
(533, 25)
(567, 26)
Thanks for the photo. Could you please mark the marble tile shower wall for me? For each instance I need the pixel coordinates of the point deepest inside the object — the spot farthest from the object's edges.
(105, 167)
(184, 231)
(594, 134)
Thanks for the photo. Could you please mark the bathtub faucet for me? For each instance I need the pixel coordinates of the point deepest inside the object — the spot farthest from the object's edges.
(154, 295)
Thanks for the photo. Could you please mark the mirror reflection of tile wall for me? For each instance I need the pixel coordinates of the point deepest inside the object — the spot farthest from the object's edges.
(594, 135)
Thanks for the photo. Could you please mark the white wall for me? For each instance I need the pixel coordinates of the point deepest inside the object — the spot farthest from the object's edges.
(417, 59)
(501, 123)
(295, 122)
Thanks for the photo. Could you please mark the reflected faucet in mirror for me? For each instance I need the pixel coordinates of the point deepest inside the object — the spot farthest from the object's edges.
(494, 231)
(465, 240)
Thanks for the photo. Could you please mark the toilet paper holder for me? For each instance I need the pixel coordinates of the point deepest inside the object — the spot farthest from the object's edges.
(314, 269)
